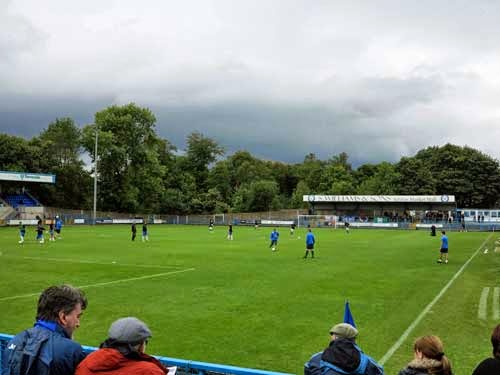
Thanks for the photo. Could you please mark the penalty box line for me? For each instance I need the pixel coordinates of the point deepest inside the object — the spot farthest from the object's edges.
(78, 261)
(106, 283)
(424, 312)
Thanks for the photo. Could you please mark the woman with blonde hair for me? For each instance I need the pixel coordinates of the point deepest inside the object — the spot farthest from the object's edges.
(491, 365)
(429, 358)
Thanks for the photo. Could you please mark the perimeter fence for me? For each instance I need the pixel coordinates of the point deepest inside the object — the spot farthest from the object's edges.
(183, 366)
(266, 218)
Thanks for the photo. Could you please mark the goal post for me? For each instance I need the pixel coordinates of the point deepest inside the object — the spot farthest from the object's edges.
(329, 221)
(219, 219)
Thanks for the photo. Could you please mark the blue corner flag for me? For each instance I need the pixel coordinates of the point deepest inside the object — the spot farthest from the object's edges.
(348, 316)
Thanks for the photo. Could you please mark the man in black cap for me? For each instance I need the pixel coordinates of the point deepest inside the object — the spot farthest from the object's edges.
(342, 356)
(123, 352)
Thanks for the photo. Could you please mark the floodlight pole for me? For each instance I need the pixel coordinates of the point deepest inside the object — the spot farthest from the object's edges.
(95, 174)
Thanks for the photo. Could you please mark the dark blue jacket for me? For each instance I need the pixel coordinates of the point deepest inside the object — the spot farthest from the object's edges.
(342, 357)
(44, 349)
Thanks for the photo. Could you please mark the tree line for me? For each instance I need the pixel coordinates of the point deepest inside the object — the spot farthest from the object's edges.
(140, 172)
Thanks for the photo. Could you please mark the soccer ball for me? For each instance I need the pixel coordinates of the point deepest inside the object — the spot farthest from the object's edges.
(274, 249)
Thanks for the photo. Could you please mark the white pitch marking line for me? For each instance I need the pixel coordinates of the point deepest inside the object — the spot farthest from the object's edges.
(106, 283)
(424, 312)
(91, 262)
(483, 304)
(496, 303)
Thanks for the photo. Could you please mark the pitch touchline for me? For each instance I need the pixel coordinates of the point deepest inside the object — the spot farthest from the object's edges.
(92, 262)
(424, 312)
(496, 303)
(106, 283)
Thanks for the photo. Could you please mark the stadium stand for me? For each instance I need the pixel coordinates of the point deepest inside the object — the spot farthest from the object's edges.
(23, 199)
(184, 367)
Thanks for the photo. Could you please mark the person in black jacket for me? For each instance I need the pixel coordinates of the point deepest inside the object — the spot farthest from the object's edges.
(429, 358)
(491, 366)
(134, 231)
(48, 348)
(342, 356)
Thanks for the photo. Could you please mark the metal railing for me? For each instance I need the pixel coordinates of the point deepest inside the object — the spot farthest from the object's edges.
(183, 366)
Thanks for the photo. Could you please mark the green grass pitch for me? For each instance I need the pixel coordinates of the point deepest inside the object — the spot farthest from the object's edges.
(237, 303)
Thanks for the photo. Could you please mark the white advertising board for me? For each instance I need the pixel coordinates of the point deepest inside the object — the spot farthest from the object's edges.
(25, 222)
(276, 222)
(127, 221)
(374, 225)
(429, 225)
(380, 198)
(28, 177)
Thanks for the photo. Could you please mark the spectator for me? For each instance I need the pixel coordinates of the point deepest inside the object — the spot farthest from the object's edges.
(134, 231)
(48, 348)
(123, 352)
(342, 356)
(491, 366)
(429, 358)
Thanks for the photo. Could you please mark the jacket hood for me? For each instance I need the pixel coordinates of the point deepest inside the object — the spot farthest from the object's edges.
(105, 360)
(342, 353)
(110, 359)
(422, 366)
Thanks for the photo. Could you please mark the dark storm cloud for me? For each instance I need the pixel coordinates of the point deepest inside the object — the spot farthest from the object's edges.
(28, 116)
(281, 79)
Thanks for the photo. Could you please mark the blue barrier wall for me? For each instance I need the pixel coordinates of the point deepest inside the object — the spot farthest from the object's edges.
(183, 366)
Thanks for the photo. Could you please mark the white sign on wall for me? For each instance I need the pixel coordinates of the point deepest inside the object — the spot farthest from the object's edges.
(374, 225)
(28, 177)
(23, 221)
(276, 222)
(428, 226)
(127, 221)
(380, 198)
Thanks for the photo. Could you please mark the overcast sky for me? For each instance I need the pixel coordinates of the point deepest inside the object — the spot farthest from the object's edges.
(376, 79)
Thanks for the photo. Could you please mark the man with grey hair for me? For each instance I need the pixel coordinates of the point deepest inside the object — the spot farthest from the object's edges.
(123, 352)
(342, 356)
(48, 348)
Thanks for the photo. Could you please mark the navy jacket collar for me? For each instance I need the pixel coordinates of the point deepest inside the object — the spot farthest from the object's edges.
(52, 326)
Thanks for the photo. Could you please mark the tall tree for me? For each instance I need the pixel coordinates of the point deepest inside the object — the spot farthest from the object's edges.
(15, 153)
(297, 200)
(415, 177)
(383, 181)
(62, 142)
(337, 176)
(257, 196)
(472, 176)
(130, 171)
(201, 152)
(310, 172)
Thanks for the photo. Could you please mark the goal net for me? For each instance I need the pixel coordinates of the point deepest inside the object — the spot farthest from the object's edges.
(304, 221)
(219, 219)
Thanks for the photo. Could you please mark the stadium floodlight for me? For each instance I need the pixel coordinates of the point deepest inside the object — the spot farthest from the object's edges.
(95, 174)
